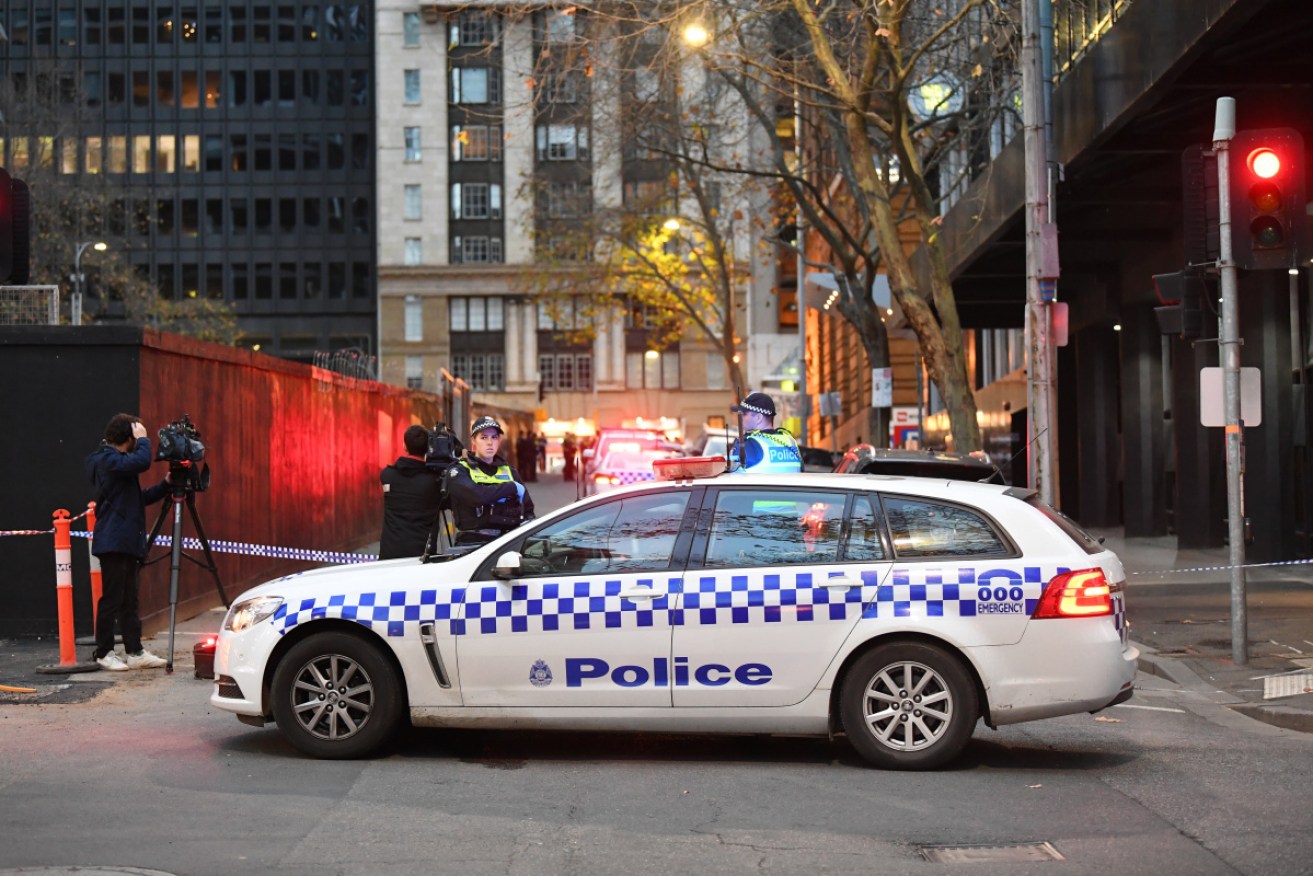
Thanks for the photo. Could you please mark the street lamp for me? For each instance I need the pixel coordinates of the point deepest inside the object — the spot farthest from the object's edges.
(78, 277)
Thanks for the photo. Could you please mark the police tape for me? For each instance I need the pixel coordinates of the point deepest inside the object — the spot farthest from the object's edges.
(1226, 568)
(259, 550)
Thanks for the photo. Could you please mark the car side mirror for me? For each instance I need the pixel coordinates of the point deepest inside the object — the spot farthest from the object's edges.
(507, 566)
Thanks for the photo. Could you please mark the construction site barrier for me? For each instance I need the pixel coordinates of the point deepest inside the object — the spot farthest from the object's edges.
(93, 563)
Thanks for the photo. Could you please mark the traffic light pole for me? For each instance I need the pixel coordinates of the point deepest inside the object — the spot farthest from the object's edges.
(1228, 345)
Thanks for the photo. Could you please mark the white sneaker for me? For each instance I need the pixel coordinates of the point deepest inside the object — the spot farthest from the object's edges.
(112, 662)
(144, 660)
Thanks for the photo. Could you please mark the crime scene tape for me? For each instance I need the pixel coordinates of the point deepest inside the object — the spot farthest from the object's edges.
(1226, 568)
(259, 550)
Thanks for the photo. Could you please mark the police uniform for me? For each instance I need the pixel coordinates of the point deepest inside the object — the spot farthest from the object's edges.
(764, 451)
(487, 499)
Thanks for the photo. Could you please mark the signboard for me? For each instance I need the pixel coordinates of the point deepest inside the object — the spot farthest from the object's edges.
(830, 403)
(1212, 411)
(882, 387)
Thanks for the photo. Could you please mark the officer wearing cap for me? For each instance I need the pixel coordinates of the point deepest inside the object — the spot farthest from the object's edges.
(763, 449)
(488, 496)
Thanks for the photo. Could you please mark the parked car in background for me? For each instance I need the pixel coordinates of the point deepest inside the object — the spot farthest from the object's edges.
(865, 459)
(624, 456)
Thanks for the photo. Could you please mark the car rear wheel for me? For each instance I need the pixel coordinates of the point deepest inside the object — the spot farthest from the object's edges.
(908, 706)
(335, 696)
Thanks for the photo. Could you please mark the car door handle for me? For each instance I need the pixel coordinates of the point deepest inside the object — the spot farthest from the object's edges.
(841, 582)
(638, 593)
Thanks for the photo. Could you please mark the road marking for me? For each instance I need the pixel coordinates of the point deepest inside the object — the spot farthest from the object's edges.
(1150, 708)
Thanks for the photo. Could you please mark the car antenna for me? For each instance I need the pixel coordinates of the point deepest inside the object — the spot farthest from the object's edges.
(999, 472)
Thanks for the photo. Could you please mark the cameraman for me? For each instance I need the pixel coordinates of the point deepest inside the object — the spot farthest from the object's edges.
(412, 496)
(488, 497)
(120, 538)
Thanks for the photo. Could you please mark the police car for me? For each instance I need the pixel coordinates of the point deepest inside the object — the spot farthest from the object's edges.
(897, 611)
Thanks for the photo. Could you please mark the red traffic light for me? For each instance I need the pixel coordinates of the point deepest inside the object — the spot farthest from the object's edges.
(1264, 162)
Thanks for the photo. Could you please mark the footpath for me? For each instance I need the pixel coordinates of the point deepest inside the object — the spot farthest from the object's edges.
(1179, 610)
(1178, 607)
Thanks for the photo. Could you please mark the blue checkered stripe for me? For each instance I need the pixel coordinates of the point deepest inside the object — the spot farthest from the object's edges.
(719, 600)
(634, 477)
(392, 614)
(931, 591)
(1119, 615)
(566, 606)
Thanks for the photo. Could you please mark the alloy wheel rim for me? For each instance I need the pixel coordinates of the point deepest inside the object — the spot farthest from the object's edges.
(332, 697)
(907, 706)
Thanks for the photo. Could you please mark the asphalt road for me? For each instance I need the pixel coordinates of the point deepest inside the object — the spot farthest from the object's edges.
(146, 775)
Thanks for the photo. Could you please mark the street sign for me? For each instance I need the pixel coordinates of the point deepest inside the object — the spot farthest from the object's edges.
(1211, 412)
(882, 387)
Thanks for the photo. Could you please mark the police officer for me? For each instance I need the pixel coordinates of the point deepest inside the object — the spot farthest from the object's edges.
(487, 495)
(763, 449)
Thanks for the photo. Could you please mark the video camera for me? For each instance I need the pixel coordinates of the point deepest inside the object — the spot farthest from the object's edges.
(180, 446)
(444, 448)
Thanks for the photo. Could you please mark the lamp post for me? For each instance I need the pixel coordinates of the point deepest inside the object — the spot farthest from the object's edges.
(75, 317)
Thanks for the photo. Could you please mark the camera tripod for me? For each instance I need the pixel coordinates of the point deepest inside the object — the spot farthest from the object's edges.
(182, 492)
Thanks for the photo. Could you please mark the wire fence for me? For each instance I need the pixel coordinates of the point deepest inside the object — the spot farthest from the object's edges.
(29, 305)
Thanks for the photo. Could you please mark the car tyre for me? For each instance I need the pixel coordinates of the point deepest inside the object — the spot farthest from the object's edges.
(335, 696)
(908, 706)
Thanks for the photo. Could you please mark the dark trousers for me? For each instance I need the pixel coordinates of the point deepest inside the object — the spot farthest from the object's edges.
(118, 602)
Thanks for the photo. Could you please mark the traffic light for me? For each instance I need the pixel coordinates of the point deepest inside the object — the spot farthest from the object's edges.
(1182, 295)
(1268, 224)
(14, 222)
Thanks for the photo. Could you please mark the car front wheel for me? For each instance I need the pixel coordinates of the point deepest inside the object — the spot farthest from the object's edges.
(908, 706)
(335, 696)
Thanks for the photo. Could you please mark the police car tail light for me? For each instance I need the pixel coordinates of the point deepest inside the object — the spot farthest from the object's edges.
(604, 480)
(1085, 593)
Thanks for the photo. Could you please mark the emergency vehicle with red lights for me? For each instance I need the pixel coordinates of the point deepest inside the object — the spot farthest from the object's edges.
(897, 611)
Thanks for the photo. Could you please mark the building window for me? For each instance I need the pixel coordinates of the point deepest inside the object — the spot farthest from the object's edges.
(559, 25)
(414, 202)
(562, 142)
(476, 314)
(414, 318)
(475, 85)
(652, 372)
(561, 87)
(414, 372)
(565, 372)
(561, 314)
(568, 200)
(412, 86)
(475, 201)
(413, 152)
(475, 27)
(482, 371)
(476, 142)
(414, 251)
(410, 28)
(715, 371)
(469, 250)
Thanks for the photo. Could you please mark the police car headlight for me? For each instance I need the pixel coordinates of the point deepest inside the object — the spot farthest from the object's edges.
(249, 612)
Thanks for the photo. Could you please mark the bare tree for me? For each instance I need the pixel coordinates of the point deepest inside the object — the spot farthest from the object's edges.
(46, 117)
(896, 101)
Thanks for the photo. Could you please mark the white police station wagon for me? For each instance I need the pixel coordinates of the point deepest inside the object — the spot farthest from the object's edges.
(895, 610)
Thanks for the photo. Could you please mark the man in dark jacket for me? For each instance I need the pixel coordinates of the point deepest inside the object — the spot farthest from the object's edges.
(120, 538)
(488, 497)
(412, 496)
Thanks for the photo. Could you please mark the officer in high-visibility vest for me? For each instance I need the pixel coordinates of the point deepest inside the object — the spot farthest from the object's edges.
(763, 448)
(488, 496)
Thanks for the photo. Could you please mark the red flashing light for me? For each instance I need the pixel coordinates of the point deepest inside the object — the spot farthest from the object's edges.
(1085, 593)
(1264, 162)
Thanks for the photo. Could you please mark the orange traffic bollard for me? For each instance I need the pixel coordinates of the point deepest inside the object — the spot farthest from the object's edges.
(94, 564)
(64, 588)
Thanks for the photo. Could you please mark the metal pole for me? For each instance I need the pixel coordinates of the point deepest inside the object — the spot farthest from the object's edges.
(75, 313)
(1040, 265)
(801, 286)
(1228, 345)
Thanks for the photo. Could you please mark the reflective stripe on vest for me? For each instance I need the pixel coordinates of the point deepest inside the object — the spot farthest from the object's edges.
(479, 476)
(779, 453)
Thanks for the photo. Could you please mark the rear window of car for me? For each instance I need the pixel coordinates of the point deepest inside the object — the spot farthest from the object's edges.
(1088, 543)
(922, 528)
